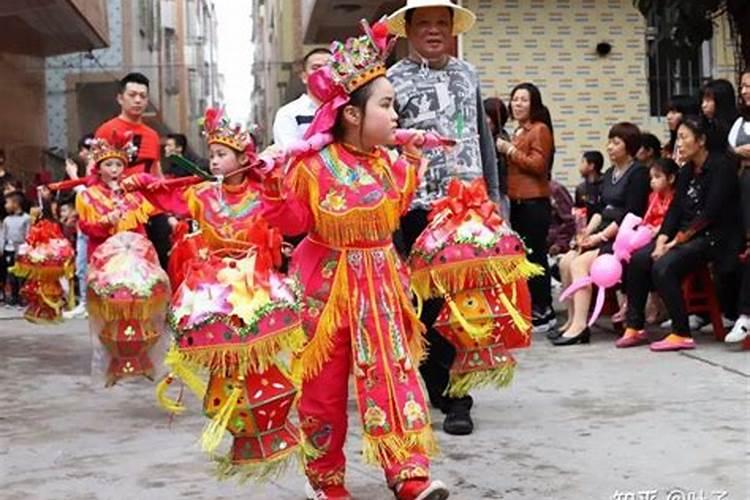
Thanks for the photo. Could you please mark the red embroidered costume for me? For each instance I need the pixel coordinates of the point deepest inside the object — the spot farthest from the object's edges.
(357, 310)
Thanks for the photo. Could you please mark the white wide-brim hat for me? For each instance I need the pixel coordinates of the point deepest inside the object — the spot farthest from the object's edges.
(463, 19)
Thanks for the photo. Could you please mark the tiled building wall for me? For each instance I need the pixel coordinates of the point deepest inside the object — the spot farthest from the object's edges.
(552, 44)
(57, 68)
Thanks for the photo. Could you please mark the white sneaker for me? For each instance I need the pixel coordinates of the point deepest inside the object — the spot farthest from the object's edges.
(709, 327)
(78, 311)
(740, 331)
(695, 323)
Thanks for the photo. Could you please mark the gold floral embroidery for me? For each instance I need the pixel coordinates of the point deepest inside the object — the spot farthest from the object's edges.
(334, 200)
(413, 412)
(375, 417)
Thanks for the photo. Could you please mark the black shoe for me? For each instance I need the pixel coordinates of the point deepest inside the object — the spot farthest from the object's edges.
(554, 333)
(582, 338)
(543, 322)
(458, 418)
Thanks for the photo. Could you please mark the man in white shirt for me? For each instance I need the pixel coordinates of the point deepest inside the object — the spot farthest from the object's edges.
(293, 119)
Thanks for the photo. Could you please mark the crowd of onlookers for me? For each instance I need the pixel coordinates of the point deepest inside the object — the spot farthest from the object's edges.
(691, 191)
(709, 133)
(20, 207)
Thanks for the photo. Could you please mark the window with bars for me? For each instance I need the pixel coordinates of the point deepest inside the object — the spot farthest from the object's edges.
(673, 69)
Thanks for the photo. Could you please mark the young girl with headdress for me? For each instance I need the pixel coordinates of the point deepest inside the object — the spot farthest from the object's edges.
(231, 312)
(357, 312)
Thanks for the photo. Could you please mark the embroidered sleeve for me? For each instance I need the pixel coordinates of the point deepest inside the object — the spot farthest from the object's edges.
(287, 203)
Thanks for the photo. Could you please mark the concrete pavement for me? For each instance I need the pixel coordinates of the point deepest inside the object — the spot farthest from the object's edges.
(581, 422)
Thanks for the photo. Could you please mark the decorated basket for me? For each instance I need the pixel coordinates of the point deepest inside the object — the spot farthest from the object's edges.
(466, 245)
(125, 280)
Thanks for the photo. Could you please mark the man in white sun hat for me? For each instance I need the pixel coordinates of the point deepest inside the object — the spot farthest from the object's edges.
(438, 92)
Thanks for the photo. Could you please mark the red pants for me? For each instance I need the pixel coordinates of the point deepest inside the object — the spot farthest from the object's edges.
(323, 417)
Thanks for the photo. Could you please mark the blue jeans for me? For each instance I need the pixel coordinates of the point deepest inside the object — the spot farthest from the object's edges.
(82, 266)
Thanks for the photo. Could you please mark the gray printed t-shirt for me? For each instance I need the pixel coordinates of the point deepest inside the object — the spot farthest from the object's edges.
(446, 101)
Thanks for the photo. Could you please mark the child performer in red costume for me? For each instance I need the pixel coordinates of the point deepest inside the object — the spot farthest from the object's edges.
(357, 310)
(231, 312)
(103, 208)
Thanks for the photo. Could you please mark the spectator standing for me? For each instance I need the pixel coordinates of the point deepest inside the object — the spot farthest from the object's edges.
(678, 107)
(739, 141)
(650, 150)
(175, 145)
(439, 93)
(293, 119)
(73, 168)
(133, 98)
(529, 158)
(5, 178)
(719, 109)
(15, 228)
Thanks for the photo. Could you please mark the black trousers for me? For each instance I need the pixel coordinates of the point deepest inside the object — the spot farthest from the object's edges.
(665, 276)
(435, 369)
(8, 260)
(159, 232)
(743, 306)
(531, 219)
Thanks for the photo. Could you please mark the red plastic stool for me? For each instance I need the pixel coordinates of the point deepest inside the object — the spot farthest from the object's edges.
(699, 293)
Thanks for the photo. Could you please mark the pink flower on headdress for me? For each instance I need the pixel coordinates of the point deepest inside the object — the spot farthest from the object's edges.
(333, 96)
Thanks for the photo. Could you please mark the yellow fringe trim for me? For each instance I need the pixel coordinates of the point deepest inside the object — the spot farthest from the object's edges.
(214, 430)
(417, 344)
(42, 321)
(257, 470)
(518, 319)
(138, 213)
(475, 332)
(462, 383)
(179, 369)
(343, 228)
(474, 273)
(171, 405)
(139, 309)
(255, 357)
(391, 449)
(43, 272)
(318, 350)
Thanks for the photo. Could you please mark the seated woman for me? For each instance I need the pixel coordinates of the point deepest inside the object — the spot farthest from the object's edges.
(663, 178)
(625, 189)
(699, 227)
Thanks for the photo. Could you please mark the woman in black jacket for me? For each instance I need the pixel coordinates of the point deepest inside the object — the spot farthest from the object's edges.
(699, 227)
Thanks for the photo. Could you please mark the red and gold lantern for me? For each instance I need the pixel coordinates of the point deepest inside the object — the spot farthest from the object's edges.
(233, 316)
(43, 260)
(127, 298)
(260, 404)
(477, 322)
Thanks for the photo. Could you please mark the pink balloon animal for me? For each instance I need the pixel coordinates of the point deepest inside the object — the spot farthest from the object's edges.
(606, 270)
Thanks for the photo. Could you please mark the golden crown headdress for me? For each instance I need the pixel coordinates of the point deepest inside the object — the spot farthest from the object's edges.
(360, 60)
(118, 146)
(218, 130)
